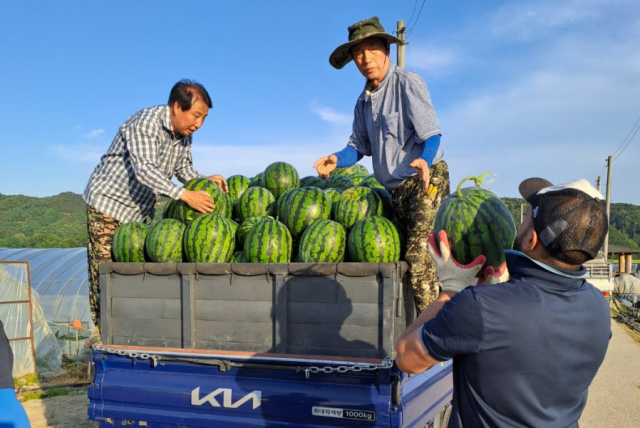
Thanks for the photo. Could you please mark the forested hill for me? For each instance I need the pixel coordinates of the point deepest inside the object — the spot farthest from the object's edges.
(60, 221)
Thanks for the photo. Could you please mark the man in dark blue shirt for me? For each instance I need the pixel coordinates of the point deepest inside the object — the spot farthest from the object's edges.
(524, 351)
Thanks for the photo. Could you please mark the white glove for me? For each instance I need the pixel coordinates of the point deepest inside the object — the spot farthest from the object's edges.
(453, 276)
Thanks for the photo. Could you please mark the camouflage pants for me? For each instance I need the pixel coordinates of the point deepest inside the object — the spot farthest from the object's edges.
(101, 229)
(417, 211)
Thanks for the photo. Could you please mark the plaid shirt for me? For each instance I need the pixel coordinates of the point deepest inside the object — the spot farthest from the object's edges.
(142, 159)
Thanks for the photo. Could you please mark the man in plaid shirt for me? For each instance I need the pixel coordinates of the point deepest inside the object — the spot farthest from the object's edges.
(150, 148)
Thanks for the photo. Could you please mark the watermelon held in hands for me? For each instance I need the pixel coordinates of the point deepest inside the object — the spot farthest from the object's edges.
(164, 241)
(477, 223)
(128, 243)
(186, 214)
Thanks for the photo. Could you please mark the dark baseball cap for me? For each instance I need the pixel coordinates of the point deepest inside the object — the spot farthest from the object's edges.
(570, 219)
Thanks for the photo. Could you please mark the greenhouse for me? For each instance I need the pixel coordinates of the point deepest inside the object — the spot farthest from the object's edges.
(59, 305)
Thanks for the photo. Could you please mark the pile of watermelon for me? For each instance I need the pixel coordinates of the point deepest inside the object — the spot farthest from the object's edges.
(274, 217)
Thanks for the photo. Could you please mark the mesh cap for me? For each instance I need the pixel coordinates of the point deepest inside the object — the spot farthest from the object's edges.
(570, 219)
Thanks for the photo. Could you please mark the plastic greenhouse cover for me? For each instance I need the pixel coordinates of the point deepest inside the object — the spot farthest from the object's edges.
(14, 286)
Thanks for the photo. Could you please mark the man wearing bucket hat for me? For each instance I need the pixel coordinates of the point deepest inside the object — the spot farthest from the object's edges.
(394, 123)
(524, 351)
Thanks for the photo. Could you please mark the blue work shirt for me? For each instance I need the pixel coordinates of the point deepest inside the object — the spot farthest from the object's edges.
(525, 351)
(390, 124)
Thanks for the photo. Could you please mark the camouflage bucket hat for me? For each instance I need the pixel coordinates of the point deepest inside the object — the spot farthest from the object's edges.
(358, 32)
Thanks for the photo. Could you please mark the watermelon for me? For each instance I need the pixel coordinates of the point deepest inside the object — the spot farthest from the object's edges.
(477, 223)
(237, 257)
(246, 226)
(256, 201)
(280, 176)
(256, 181)
(341, 182)
(209, 239)
(186, 214)
(355, 204)
(374, 239)
(128, 243)
(334, 197)
(323, 242)
(228, 212)
(357, 178)
(164, 241)
(281, 203)
(169, 210)
(350, 170)
(371, 181)
(237, 185)
(268, 241)
(304, 206)
(312, 181)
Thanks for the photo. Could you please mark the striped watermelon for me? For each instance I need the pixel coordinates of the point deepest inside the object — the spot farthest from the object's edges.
(477, 222)
(357, 178)
(374, 239)
(237, 257)
(209, 239)
(164, 241)
(169, 210)
(246, 226)
(304, 206)
(256, 181)
(350, 170)
(228, 212)
(256, 201)
(312, 181)
(341, 182)
(334, 197)
(280, 176)
(281, 204)
(371, 181)
(186, 214)
(268, 241)
(237, 185)
(355, 204)
(323, 242)
(128, 243)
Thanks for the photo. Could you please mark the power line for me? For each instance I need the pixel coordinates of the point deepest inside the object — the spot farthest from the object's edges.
(417, 18)
(414, 11)
(637, 128)
(623, 141)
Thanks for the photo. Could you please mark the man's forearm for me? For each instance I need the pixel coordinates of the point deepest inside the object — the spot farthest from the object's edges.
(428, 314)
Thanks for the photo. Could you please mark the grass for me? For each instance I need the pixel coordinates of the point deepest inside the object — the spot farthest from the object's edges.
(629, 312)
(41, 395)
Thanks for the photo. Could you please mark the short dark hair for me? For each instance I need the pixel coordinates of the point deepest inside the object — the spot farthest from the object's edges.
(183, 93)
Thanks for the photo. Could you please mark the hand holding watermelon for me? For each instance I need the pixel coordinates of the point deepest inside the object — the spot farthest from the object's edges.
(423, 170)
(326, 164)
(453, 275)
(199, 200)
(491, 276)
(220, 181)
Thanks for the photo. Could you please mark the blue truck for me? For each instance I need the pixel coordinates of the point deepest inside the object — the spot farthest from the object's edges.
(259, 345)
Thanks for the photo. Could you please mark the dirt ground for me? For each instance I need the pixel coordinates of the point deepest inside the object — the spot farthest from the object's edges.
(69, 411)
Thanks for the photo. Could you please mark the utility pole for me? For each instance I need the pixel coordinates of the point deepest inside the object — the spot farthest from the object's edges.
(598, 183)
(606, 239)
(401, 31)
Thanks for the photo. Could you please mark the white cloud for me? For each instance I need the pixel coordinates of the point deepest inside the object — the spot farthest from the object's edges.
(95, 133)
(435, 59)
(332, 116)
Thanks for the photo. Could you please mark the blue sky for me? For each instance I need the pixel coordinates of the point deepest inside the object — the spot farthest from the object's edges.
(544, 88)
